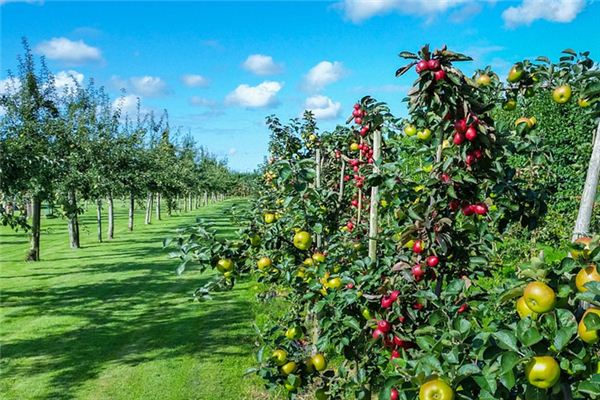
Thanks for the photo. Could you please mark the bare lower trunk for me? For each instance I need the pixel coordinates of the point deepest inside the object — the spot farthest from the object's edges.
(29, 208)
(111, 218)
(158, 206)
(73, 221)
(185, 205)
(373, 217)
(584, 217)
(205, 201)
(148, 219)
(99, 219)
(131, 211)
(169, 206)
(190, 202)
(36, 207)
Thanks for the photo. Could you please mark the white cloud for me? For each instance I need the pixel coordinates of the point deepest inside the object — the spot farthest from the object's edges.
(193, 80)
(323, 107)
(360, 10)
(260, 64)
(149, 85)
(67, 80)
(9, 85)
(202, 102)
(323, 74)
(127, 104)
(550, 10)
(232, 151)
(262, 95)
(68, 51)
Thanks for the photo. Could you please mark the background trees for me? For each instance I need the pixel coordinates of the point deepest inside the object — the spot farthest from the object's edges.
(71, 146)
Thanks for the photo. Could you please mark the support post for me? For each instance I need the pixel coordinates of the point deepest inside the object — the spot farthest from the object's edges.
(588, 197)
(373, 217)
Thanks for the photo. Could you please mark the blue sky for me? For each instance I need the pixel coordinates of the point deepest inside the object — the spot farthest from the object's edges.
(221, 67)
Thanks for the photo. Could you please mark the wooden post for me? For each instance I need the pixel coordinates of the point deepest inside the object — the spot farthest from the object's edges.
(586, 206)
(318, 184)
(148, 219)
(342, 175)
(373, 222)
(158, 206)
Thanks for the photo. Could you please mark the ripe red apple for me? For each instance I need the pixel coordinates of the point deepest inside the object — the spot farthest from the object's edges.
(463, 308)
(358, 120)
(356, 106)
(384, 326)
(418, 247)
(458, 138)
(470, 159)
(386, 302)
(433, 261)
(350, 286)
(433, 64)
(395, 354)
(468, 210)
(454, 204)
(480, 209)
(422, 66)
(418, 306)
(417, 272)
(364, 130)
(394, 394)
(461, 125)
(478, 153)
(394, 295)
(402, 319)
(440, 75)
(445, 178)
(377, 334)
(357, 113)
(471, 134)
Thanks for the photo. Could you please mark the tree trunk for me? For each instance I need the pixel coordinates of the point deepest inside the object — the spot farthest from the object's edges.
(584, 217)
(169, 206)
(205, 199)
(131, 211)
(185, 204)
(190, 202)
(158, 206)
(36, 209)
(73, 220)
(148, 219)
(99, 218)
(111, 218)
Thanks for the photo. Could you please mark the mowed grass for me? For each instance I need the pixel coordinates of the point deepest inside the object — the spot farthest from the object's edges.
(113, 321)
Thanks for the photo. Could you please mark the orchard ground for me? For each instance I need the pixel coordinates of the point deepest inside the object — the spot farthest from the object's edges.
(113, 321)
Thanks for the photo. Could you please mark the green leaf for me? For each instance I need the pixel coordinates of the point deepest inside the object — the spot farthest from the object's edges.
(527, 332)
(506, 340)
(591, 321)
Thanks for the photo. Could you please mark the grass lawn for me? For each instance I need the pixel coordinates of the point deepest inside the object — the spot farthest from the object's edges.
(113, 321)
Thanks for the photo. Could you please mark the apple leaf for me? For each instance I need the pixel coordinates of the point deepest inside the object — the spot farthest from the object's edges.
(506, 340)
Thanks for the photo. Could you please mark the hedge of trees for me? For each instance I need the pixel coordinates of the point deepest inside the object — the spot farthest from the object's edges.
(69, 145)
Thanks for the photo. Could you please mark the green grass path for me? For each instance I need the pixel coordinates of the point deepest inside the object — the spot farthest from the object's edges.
(113, 321)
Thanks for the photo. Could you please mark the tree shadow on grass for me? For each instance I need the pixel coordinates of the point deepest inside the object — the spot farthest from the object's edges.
(115, 333)
(127, 322)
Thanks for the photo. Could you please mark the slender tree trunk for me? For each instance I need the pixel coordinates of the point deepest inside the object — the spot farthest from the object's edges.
(29, 208)
(205, 200)
(190, 203)
(131, 211)
(73, 220)
(158, 206)
(169, 206)
(36, 207)
(185, 204)
(99, 218)
(584, 217)
(148, 219)
(111, 218)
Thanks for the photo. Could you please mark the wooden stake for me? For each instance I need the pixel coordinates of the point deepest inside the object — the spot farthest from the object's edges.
(373, 217)
(586, 206)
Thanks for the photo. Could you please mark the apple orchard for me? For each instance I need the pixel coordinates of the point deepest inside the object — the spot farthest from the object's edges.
(382, 241)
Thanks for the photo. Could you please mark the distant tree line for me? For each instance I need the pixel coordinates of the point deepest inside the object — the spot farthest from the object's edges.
(72, 144)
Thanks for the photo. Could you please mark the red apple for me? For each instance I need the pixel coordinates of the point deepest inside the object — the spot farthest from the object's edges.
(356, 106)
(418, 306)
(394, 394)
(386, 302)
(422, 66)
(460, 125)
(394, 295)
(433, 64)
(358, 120)
(468, 210)
(395, 354)
(454, 204)
(433, 261)
(440, 75)
(458, 138)
(384, 326)
(463, 308)
(417, 272)
(418, 247)
(471, 134)
(377, 334)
